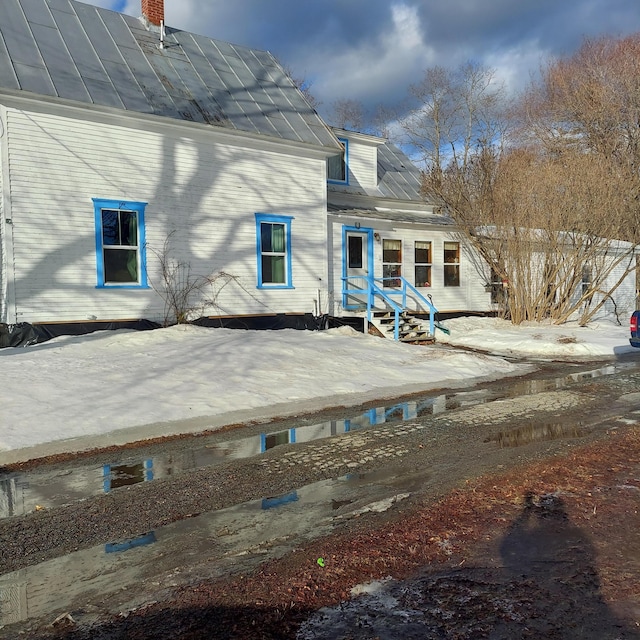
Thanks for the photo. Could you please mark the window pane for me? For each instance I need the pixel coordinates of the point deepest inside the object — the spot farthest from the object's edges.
(451, 275)
(119, 228)
(391, 271)
(110, 227)
(452, 252)
(273, 269)
(423, 276)
(336, 168)
(272, 239)
(120, 265)
(275, 439)
(277, 237)
(391, 251)
(423, 252)
(128, 228)
(355, 252)
(586, 278)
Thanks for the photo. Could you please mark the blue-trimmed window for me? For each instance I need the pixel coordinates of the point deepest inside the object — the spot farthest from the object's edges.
(274, 251)
(338, 165)
(120, 242)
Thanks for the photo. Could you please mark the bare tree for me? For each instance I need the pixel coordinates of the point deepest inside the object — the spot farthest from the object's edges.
(541, 191)
(547, 237)
(348, 114)
(591, 102)
(303, 85)
(458, 112)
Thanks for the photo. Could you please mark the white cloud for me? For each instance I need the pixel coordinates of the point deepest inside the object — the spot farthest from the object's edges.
(375, 66)
(518, 66)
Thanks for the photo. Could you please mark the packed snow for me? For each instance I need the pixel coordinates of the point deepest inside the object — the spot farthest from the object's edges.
(126, 385)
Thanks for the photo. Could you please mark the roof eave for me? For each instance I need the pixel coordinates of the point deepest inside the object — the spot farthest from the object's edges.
(20, 99)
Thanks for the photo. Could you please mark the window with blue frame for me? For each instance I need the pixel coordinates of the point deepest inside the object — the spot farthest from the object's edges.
(120, 242)
(338, 165)
(274, 251)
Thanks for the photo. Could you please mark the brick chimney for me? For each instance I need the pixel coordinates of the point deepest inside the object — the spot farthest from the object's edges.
(153, 11)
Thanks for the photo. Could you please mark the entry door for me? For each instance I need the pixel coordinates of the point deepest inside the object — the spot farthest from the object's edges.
(357, 268)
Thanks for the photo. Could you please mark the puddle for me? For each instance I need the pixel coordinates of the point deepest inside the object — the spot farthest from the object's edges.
(231, 539)
(537, 433)
(119, 572)
(22, 493)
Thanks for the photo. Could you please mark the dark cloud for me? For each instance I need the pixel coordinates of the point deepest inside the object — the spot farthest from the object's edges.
(372, 50)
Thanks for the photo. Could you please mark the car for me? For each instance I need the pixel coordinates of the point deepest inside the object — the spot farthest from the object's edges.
(634, 340)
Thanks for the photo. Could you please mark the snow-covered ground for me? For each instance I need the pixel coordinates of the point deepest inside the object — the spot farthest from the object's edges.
(113, 387)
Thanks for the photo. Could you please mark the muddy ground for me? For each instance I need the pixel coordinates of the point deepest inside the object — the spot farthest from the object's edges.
(538, 540)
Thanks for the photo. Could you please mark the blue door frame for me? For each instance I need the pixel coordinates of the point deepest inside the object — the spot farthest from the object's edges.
(356, 280)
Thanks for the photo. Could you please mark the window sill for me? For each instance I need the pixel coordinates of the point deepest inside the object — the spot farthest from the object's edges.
(268, 287)
(123, 286)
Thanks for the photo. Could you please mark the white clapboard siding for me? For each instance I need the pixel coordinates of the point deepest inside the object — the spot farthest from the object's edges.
(469, 296)
(363, 164)
(622, 302)
(199, 187)
(4, 265)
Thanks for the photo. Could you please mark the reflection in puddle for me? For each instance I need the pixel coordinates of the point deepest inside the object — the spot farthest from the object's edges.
(125, 545)
(537, 433)
(123, 475)
(272, 503)
(226, 540)
(21, 492)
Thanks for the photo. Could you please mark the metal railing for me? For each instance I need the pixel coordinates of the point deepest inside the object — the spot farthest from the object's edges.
(373, 288)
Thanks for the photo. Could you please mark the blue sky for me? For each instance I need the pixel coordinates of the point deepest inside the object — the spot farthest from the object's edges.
(372, 50)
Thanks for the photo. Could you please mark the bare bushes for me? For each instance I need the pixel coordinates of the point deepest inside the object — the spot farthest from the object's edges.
(186, 295)
(547, 189)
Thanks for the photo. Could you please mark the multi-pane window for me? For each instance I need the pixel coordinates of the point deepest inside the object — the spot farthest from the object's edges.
(119, 243)
(422, 259)
(497, 288)
(391, 262)
(451, 264)
(337, 166)
(586, 278)
(273, 247)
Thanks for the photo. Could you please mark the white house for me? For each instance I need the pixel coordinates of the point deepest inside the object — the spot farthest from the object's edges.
(382, 231)
(117, 135)
(129, 150)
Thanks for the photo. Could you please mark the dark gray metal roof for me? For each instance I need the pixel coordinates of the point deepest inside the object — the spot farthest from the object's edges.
(398, 177)
(71, 50)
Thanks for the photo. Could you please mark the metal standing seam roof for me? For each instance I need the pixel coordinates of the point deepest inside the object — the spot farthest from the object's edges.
(413, 217)
(71, 50)
(398, 177)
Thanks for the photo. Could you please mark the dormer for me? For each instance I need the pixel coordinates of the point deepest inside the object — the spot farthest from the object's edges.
(356, 169)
